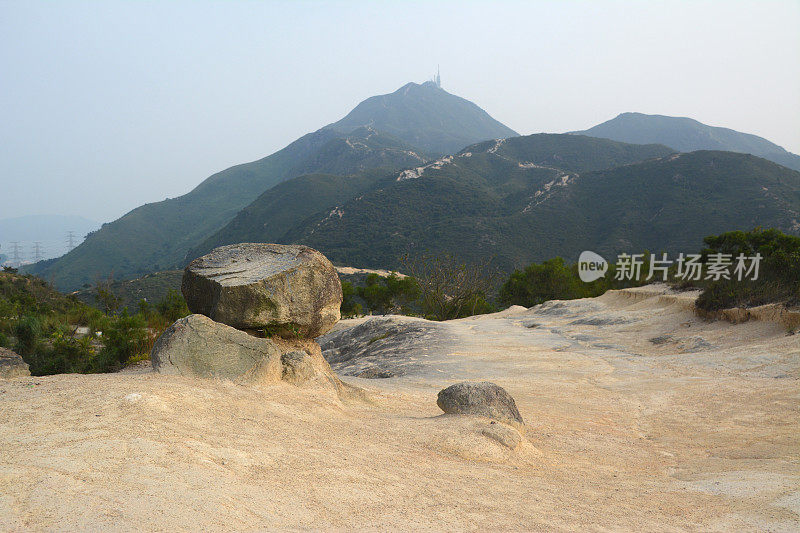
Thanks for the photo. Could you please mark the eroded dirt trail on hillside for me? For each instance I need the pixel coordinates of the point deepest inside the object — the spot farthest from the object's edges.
(639, 416)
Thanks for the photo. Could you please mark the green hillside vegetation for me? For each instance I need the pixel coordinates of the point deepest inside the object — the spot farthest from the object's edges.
(779, 271)
(157, 236)
(688, 135)
(486, 205)
(42, 325)
(489, 166)
(285, 206)
(426, 116)
(151, 288)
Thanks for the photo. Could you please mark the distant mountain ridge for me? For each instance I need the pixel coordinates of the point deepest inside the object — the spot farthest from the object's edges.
(369, 187)
(478, 205)
(158, 235)
(491, 177)
(687, 135)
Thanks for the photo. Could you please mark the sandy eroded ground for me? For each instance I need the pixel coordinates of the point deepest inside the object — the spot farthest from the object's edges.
(640, 416)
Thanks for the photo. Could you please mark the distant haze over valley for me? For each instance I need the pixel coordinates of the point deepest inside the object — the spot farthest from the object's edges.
(45, 236)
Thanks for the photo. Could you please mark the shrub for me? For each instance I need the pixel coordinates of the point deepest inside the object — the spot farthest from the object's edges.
(62, 353)
(27, 330)
(104, 294)
(388, 294)
(449, 288)
(556, 280)
(350, 307)
(779, 270)
(551, 280)
(172, 306)
(39, 323)
(126, 337)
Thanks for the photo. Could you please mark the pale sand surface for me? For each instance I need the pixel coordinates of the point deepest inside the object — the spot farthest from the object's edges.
(695, 430)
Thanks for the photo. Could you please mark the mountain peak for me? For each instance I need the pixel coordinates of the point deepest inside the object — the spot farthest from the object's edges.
(426, 116)
(687, 135)
(412, 88)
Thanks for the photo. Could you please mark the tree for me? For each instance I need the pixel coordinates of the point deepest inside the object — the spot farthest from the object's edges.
(449, 288)
(388, 294)
(109, 301)
(778, 275)
(349, 306)
(550, 280)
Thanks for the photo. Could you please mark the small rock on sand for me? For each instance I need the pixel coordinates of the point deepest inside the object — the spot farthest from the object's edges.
(480, 399)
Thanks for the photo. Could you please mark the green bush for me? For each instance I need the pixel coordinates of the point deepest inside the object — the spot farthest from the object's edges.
(389, 294)
(350, 307)
(551, 280)
(125, 338)
(27, 331)
(62, 353)
(556, 280)
(779, 270)
(449, 287)
(172, 306)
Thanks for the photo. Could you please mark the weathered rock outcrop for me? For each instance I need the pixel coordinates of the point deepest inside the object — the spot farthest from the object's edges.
(12, 365)
(381, 347)
(198, 346)
(257, 310)
(479, 399)
(291, 291)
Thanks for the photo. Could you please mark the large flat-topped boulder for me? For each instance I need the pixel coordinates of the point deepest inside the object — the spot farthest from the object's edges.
(287, 290)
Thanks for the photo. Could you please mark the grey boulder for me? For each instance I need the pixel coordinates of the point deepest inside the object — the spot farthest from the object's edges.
(287, 290)
(479, 399)
(12, 365)
(196, 346)
(199, 347)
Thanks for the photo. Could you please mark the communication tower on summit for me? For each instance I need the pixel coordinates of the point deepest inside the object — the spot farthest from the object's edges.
(438, 79)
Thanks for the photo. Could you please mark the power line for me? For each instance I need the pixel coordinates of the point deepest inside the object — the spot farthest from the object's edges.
(15, 248)
(70, 241)
(37, 251)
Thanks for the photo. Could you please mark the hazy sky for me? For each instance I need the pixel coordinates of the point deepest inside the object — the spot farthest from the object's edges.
(108, 105)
